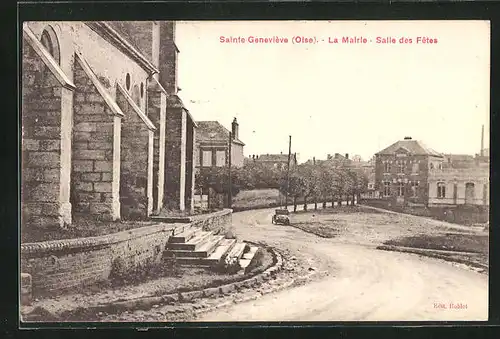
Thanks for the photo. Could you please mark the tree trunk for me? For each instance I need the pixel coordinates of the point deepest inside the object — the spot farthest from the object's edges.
(340, 202)
(333, 201)
(324, 203)
(315, 203)
(354, 199)
(305, 203)
(294, 203)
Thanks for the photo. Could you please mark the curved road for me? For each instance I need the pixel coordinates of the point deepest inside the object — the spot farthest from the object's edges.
(362, 283)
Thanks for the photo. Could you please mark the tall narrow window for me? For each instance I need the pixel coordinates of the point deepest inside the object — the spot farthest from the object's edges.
(401, 166)
(441, 190)
(401, 189)
(415, 168)
(49, 41)
(414, 188)
(206, 158)
(220, 158)
(387, 188)
(387, 167)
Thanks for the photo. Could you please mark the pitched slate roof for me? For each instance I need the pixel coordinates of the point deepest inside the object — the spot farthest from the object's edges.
(414, 147)
(220, 133)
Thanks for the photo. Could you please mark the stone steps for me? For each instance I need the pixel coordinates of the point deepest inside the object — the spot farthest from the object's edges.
(192, 244)
(187, 234)
(203, 251)
(222, 248)
(237, 251)
(247, 258)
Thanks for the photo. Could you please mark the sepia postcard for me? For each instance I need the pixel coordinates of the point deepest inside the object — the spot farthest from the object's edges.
(241, 171)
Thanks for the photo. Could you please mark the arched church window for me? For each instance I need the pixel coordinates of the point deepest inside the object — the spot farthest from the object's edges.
(50, 42)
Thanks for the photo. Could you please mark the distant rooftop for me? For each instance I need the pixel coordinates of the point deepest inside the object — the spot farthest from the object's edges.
(213, 131)
(414, 147)
(274, 157)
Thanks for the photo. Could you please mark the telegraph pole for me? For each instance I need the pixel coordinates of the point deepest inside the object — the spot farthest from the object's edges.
(288, 171)
(230, 192)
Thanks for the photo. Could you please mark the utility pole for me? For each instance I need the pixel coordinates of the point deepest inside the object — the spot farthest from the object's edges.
(288, 171)
(230, 192)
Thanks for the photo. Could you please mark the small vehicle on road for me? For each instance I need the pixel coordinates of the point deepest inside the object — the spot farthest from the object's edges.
(281, 216)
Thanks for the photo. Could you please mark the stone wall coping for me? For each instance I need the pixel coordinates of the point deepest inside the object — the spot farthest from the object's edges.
(90, 242)
(193, 218)
(47, 59)
(100, 88)
(107, 32)
(136, 108)
(211, 215)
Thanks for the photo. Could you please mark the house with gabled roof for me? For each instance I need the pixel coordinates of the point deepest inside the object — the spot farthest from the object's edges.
(213, 145)
(402, 171)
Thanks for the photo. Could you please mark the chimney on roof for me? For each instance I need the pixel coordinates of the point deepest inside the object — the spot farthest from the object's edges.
(482, 141)
(235, 129)
(407, 138)
(347, 155)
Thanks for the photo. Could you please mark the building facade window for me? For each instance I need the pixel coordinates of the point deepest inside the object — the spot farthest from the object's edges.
(387, 188)
(431, 165)
(414, 188)
(401, 166)
(441, 190)
(387, 167)
(49, 41)
(206, 158)
(415, 168)
(220, 158)
(401, 189)
(127, 82)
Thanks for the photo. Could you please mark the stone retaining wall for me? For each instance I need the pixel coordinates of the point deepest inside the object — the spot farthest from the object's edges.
(60, 265)
(216, 222)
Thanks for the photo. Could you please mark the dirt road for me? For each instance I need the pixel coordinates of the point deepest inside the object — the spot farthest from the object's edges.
(362, 283)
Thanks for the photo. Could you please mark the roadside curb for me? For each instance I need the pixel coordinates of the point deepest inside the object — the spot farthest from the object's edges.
(146, 303)
(297, 280)
(433, 254)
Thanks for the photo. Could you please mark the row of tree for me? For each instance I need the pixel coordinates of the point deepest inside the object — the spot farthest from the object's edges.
(319, 182)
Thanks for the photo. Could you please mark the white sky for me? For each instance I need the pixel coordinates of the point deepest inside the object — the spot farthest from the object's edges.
(343, 98)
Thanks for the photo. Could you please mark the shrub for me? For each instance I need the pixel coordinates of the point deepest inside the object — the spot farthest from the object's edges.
(229, 234)
(229, 265)
(122, 274)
